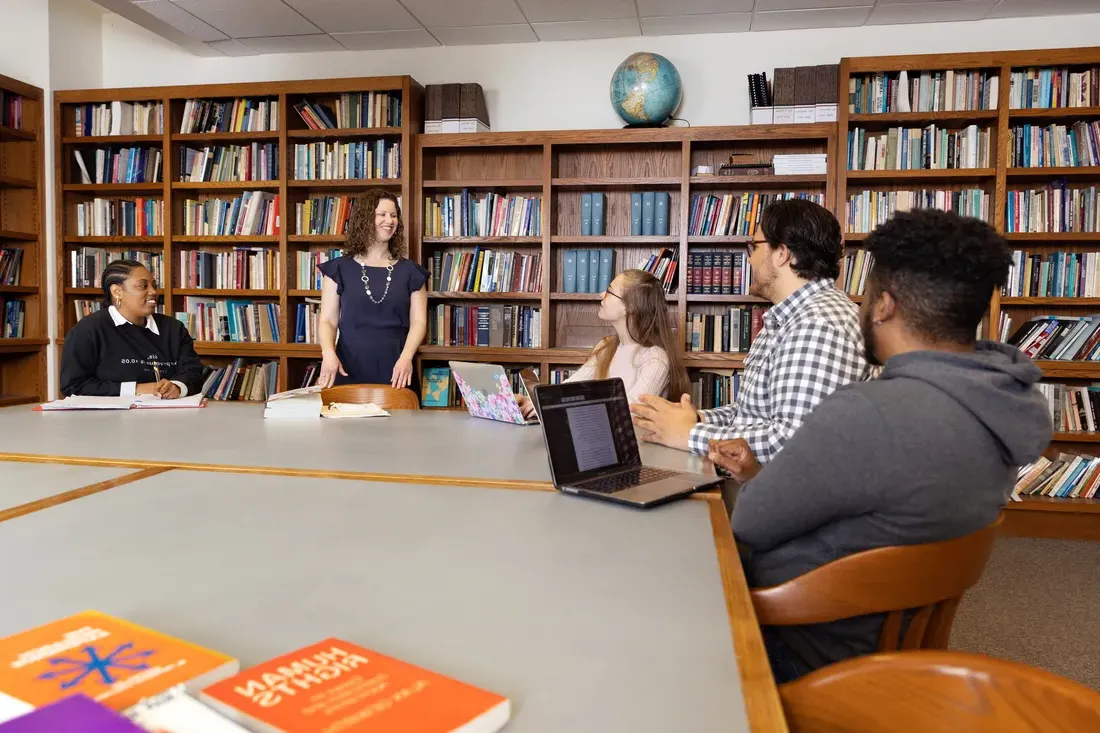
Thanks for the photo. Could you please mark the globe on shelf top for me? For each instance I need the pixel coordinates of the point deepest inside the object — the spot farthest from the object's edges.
(646, 90)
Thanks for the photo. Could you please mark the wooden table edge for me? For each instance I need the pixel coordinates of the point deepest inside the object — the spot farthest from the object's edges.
(66, 496)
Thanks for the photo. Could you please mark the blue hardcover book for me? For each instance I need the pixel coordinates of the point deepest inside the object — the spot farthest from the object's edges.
(569, 272)
(594, 271)
(586, 214)
(582, 271)
(635, 213)
(648, 213)
(660, 216)
(607, 269)
(597, 213)
(483, 325)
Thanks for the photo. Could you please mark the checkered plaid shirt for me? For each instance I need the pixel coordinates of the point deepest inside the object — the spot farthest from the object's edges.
(810, 346)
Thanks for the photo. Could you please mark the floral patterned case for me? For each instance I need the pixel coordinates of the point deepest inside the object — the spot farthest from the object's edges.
(487, 392)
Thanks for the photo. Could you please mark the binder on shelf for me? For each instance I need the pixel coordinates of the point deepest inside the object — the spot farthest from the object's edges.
(569, 271)
(635, 213)
(649, 201)
(598, 214)
(660, 213)
(827, 79)
(593, 271)
(783, 92)
(582, 271)
(586, 214)
(805, 94)
(607, 269)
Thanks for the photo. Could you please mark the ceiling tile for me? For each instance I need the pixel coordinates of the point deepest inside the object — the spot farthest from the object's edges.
(354, 16)
(582, 30)
(249, 18)
(463, 13)
(1033, 8)
(934, 12)
(180, 19)
(292, 44)
(385, 40)
(808, 4)
(662, 8)
(783, 20)
(485, 34)
(232, 47)
(550, 11)
(710, 23)
(895, 2)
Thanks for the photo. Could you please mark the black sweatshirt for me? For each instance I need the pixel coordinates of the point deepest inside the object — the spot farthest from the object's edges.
(99, 356)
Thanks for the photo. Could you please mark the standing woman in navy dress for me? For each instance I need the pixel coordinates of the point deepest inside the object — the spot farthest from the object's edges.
(376, 298)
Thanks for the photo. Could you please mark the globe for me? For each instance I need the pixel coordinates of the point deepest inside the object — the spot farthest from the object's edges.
(646, 89)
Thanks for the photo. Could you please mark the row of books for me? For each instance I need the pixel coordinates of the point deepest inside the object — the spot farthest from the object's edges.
(718, 273)
(1048, 88)
(11, 265)
(324, 215)
(241, 381)
(251, 213)
(466, 214)
(1035, 146)
(309, 277)
(1072, 408)
(11, 110)
(253, 268)
(240, 321)
(1069, 476)
(662, 266)
(84, 307)
(352, 110)
(485, 271)
(917, 148)
(865, 210)
(254, 162)
(649, 214)
(923, 91)
(235, 115)
(493, 325)
(119, 118)
(800, 164)
(854, 268)
(1053, 275)
(728, 332)
(306, 322)
(593, 220)
(735, 215)
(337, 161)
(139, 217)
(1057, 208)
(1059, 338)
(14, 318)
(121, 165)
(587, 270)
(711, 388)
(86, 264)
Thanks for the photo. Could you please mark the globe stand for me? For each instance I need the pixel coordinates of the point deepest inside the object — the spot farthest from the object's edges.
(644, 125)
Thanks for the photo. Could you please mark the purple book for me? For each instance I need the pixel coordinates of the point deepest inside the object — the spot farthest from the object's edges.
(73, 714)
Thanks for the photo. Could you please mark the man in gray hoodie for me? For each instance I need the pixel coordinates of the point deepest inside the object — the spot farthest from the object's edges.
(927, 452)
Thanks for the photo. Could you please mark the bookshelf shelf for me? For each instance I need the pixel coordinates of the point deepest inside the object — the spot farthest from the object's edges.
(224, 185)
(232, 239)
(225, 137)
(26, 289)
(625, 239)
(11, 134)
(1056, 237)
(1053, 504)
(458, 241)
(90, 241)
(13, 400)
(1066, 302)
(237, 348)
(715, 239)
(17, 182)
(10, 344)
(482, 183)
(315, 238)
(715, 359)
(671, 298)
(112, 140)
(1053, 112)
(921, 174)
(460, 295)
(226, 293)
(1081, 171)
(346, 183)
(904, 118)
(1076, 437)
(304, 293)
(113, 188)
(762, 181)
(644, 182)
(343, 132)
(1069, 369)
(732, 299)
(22, 236)
(84, 291)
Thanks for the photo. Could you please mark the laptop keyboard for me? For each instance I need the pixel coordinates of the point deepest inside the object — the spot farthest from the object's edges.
(626, 479)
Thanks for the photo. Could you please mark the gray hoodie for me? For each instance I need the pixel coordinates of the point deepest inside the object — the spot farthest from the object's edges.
(927, 452)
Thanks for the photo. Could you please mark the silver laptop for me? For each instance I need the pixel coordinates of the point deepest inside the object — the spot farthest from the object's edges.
(593, 450)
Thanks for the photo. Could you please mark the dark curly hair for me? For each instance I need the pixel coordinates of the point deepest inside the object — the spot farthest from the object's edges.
(941, 268)
(360, 234)
(811, 233)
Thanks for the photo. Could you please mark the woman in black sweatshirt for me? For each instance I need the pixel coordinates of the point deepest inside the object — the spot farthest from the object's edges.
(127, 348)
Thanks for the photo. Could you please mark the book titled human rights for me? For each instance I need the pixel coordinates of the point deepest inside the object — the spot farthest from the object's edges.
(111, 661)
(337, 687)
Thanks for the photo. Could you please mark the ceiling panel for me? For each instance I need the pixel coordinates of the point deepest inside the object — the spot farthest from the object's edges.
(581, 30)
(930, 12)
(250, 18)
(809, 4)
(180, 19)
(824, 18)
(462, 13)
(710, 23)
(293, 44)
(385, 40)
(663, 8)
(353, 16)
(1032, 8)
(485, 34)
(549, 11)
(231, 47)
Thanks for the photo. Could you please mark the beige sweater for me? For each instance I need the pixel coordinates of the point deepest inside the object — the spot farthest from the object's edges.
(644, 370)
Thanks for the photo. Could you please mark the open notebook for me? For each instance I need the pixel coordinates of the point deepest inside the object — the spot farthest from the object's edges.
(139, 402)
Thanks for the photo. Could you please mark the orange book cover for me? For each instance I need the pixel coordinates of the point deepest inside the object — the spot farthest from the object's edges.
(112, 661)
(337, 687)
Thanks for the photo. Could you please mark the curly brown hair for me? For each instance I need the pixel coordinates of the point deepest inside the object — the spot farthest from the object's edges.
(360, 236)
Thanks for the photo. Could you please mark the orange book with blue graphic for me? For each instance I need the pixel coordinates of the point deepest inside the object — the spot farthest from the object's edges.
(115, 662)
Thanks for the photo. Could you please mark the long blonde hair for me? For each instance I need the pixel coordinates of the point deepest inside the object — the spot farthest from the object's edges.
(647, 321)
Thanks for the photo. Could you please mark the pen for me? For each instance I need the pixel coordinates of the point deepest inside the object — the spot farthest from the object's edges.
(156, 372)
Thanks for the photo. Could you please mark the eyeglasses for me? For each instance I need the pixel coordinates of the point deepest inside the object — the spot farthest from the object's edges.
(609, 291)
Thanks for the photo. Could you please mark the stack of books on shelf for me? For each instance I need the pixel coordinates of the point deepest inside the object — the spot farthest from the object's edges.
(922, 91)
(648, 213)
(226, 163)
(593, 212)
(587, 270)
(240, 381)
(865, 210)
(854, 268)
(230, 320)
(1069, 476)
(338, 161)
(237, 115)
(713, 272)
(725, 333)
(141, 217)
(455, 108)
(11, 110)
(14, 315)
(493, 325)
(663, 267)
(1047, 88)
(119, 118)
(735, 214)
(466, 214)
(1053, 275)
(121, 165)
(915, 148)
(1058, 146)
(711, 388)
(485, 271)
(323, 215)
(11, 265)
(86, 264)
(352, 110)
(306, 322)
(800, 164)
(1058, 207)
(1073, 409)
(251, 213)
(244, 268)
(309, 277)
(799, 95)
(1059, 338)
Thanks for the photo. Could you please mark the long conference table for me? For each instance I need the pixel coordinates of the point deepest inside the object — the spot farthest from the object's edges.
(255, 537)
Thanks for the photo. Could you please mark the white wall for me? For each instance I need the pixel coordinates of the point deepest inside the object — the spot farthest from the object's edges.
(25, 41)
(541, 86)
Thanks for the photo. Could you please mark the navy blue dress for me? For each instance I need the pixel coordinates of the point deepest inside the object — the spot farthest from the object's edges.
(372, 335)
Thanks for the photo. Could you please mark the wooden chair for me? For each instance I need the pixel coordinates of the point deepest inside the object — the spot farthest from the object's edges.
(932, 690)
(382, 395)
(928, 578)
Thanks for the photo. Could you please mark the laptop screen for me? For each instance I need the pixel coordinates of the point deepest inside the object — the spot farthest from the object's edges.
(588, 429)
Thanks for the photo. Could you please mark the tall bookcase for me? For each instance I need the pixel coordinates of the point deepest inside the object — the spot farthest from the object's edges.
(997, 177)
(558, 168)
(23, 304)
(283, 136)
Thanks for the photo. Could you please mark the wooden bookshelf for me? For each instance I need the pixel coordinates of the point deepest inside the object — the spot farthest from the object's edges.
(289, 130)
(22, 231)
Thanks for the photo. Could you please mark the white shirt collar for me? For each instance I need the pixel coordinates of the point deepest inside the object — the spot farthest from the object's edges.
(119, 319)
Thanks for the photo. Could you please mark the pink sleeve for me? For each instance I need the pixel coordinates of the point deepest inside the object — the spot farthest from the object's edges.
(650, 377)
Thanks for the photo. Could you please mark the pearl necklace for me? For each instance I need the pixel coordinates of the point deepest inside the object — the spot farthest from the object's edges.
(366, 282)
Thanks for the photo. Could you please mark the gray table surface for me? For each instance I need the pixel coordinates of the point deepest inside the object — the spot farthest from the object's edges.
(589, 616)
(21, 483)
(420, 442)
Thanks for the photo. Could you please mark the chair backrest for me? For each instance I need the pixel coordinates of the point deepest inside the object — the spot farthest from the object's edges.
(382, 395)
(929, 579)
(921, 691)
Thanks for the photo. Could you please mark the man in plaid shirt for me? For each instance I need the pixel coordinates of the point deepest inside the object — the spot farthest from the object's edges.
(810, 345)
